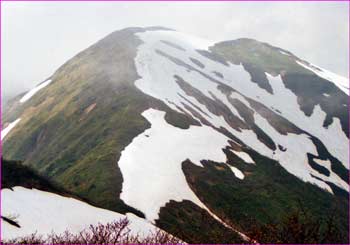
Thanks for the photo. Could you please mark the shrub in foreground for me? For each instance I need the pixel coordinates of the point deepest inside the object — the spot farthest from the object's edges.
(117, 232)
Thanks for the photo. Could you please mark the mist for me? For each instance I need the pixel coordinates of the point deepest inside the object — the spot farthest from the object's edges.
(38, 37)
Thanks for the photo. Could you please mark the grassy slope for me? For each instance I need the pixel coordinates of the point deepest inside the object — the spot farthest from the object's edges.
(267, 193)
(194, 225)
(57, 137)
(263, 55)
(13, 173)
(258, 57)
(62, 140)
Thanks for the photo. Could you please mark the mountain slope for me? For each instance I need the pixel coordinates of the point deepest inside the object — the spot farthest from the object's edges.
(13, 174)
(153, 121)
(31, 204)
(87, 164)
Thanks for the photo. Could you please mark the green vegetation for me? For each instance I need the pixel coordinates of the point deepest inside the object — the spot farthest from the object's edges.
(192, 224)
(258, 54)
(258, 58)
(298, 227)
(74, 130)
(13, 173)
(267, 194)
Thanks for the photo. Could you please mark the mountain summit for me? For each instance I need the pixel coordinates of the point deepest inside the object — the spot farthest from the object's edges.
(177, 130)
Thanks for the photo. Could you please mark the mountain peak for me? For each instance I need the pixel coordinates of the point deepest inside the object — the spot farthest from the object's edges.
(169, 127)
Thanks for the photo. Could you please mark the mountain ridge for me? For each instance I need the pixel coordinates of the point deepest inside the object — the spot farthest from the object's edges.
(159, 94)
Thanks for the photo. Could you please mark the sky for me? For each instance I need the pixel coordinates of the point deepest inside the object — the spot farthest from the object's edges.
(38, 37)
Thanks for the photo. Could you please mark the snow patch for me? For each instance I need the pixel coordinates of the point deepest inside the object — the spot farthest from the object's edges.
(6, 130)
(33, 91)
(244, 156)
(238, 173)
(333, 137)
(341, 82)
(294, 159)
(161, 84)
(155, 162)
(282, 52)
(193, 41)
(333, 177)
(44, 212)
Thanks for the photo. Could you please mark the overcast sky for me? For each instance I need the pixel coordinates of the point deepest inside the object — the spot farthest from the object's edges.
(38, 37)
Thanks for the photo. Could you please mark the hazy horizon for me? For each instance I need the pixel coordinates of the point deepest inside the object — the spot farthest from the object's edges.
(38, 37)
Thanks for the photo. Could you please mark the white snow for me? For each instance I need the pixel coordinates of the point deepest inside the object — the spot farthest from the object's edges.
(155, 162)
(341, 82)
(160, 83)
(154, 158)
(333, 177)
(282, 52)
(190, 40)
(297, 147)
(44, 212)
(286, 101)
(325, 94)
(238, 173)
(244, 156)
(6, 130)
(33, 91)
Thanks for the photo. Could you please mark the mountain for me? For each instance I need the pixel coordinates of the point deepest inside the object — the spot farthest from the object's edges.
(199, 138)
